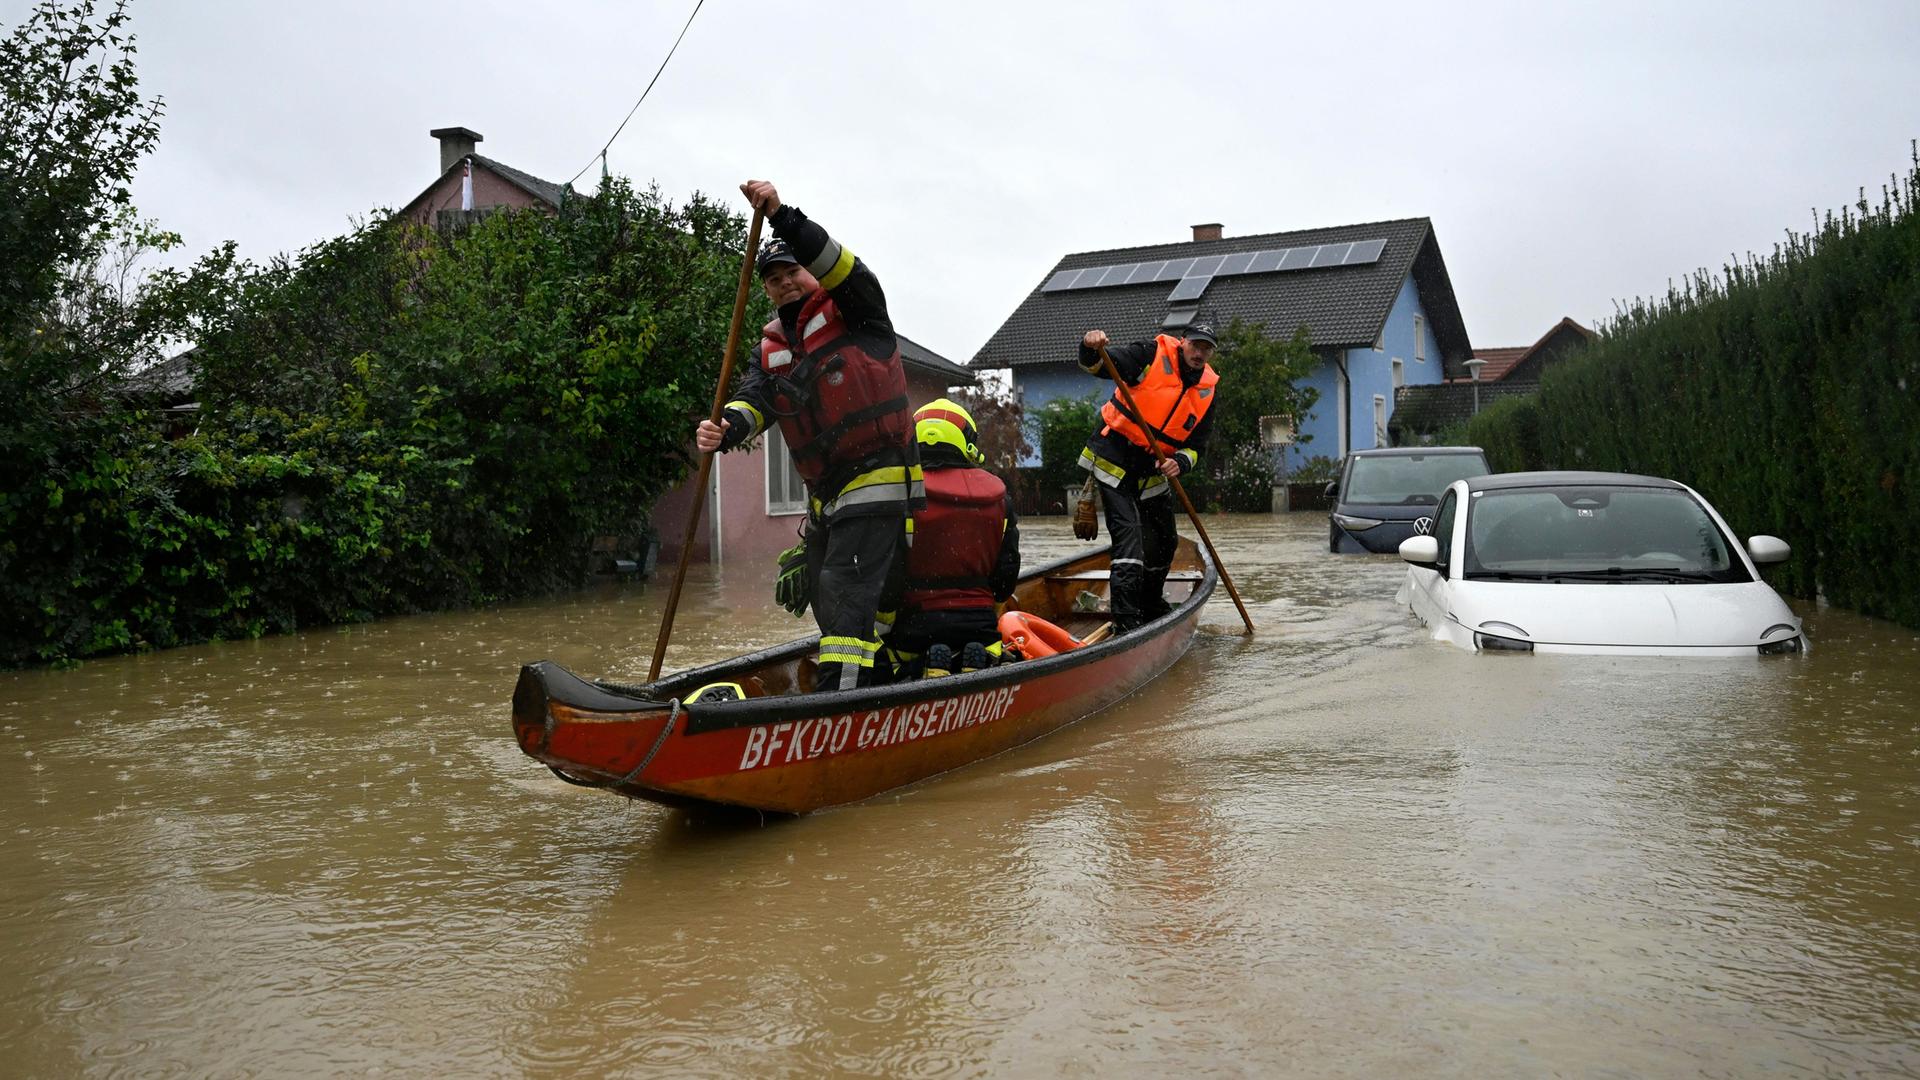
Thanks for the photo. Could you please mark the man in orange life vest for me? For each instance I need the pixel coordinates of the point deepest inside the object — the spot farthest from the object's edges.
(827, 369)
(1173, 386)
(965, 554)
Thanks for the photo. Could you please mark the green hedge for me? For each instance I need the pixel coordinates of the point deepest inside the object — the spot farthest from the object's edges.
(1786, 390)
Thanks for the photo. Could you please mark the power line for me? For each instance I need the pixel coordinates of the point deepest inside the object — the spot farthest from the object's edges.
(602, 155)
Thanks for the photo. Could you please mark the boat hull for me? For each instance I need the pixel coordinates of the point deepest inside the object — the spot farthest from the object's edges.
(799, 752)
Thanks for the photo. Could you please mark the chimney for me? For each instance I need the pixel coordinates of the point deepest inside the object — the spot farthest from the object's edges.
(1209, 231)
(456, 143)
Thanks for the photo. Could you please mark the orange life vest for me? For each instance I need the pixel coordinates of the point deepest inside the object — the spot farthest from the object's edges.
(1172, 407)
(956, 541)
(836, 405)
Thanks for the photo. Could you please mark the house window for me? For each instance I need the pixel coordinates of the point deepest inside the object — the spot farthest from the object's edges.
(1419, 339)
(1399, 373)
(786, 492)
(1379, 420)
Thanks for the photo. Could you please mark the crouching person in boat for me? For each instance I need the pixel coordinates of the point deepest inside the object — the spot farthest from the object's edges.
(964, 556)
(827, 370)
(1172, 384)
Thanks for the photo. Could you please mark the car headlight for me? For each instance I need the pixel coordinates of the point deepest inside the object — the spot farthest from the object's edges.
(1495, 643)
(1789, 644)
(1354, 524)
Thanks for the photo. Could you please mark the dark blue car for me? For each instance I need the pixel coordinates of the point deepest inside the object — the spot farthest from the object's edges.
(1385, 496)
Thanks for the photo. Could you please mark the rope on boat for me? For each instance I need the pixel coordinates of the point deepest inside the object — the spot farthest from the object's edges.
(672, 719)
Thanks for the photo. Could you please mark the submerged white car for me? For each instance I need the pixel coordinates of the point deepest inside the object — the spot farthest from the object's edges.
(1585, 562)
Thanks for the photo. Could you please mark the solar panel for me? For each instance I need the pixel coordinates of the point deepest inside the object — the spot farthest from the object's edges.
(1179, 317)
(1236, 264)
(1174, 270)
(1366, 251)
(1090, 277)
(1298, 258)
(1189, 289)
(1194, 274)
(1264, 261)
(1330, 255)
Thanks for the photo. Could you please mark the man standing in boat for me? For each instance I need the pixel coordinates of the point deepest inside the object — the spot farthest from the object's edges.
(965, 555)
(1172, 385)
(827, 369)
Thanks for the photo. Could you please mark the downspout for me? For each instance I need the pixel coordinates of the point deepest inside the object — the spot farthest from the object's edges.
(1346, 404)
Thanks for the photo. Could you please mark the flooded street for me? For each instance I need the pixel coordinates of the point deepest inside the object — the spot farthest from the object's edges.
(1336, 849)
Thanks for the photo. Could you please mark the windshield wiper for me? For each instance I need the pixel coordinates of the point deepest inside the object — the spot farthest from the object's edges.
(1631, 573)
(1507, 575)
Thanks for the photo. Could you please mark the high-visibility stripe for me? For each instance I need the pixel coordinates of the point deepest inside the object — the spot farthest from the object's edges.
(891, 483)
(841, 266)
(1192, 457)
(757, 421)
(1126, 562)
(1155, 485)
(779, 358)
(1103, 470)
(814, 326)
(856, 659)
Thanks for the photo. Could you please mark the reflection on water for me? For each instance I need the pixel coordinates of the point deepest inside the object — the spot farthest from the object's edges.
(1337, 848)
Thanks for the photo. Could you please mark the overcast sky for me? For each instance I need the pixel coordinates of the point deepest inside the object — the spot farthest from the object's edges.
(1569, 155)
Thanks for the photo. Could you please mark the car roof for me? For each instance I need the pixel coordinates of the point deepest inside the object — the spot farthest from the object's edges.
(1410, 451)
(1564, 478)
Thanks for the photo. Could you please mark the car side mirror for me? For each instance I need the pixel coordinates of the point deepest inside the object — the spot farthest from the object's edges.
(1768, 549)
(1420, 550)
(1333, 488)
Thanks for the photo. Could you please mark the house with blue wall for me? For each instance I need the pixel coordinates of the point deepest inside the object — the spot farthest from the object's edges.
(1374, 298)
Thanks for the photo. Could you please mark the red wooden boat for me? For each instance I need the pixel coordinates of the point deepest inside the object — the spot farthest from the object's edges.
(785, 748)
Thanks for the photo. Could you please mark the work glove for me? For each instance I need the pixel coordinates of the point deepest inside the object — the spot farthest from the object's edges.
(790, 585)
(1086, 523)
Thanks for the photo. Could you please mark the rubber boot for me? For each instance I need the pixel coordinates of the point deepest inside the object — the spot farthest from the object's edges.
(939, 661)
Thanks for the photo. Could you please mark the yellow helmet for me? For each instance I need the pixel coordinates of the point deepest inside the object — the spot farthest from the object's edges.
(942, 422)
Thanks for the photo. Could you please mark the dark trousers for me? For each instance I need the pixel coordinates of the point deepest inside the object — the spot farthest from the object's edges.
(1143, 543)
(857, 566)
(919, 631)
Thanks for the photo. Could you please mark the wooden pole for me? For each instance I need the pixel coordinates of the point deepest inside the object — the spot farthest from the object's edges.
(706, 460)
(1153, 445)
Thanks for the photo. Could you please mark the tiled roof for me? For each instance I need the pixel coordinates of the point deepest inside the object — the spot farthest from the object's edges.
(1498, 361)
(1519, 367)
(1343, 307)
(914, 354)
(1429, 408)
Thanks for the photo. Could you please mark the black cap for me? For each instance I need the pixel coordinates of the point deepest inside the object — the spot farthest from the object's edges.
(1201, 332)
(774, 251)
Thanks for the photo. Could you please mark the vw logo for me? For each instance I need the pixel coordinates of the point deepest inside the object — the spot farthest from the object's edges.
(1423, 526)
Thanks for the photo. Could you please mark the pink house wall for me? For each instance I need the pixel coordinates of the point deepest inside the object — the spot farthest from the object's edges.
(488, 190)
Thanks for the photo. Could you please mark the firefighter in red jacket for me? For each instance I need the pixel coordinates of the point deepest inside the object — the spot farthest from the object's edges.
(827, 371)
(965, 555)
(1173, 386)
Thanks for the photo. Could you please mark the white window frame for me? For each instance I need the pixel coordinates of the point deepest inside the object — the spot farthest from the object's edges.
(1379, 420)
(778, 457)
(1399, 373)
(1419, 339)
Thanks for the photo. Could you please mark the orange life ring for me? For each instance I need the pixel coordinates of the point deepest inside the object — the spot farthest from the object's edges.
(1034, 637)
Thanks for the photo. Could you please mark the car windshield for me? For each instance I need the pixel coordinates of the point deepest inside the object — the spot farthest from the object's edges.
(1408, 478)
(1596, 534)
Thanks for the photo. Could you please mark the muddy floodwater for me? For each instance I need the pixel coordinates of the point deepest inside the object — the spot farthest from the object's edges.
(1335, 849)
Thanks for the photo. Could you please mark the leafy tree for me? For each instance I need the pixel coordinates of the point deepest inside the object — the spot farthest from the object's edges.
(1064, 424)
(1001, 422)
